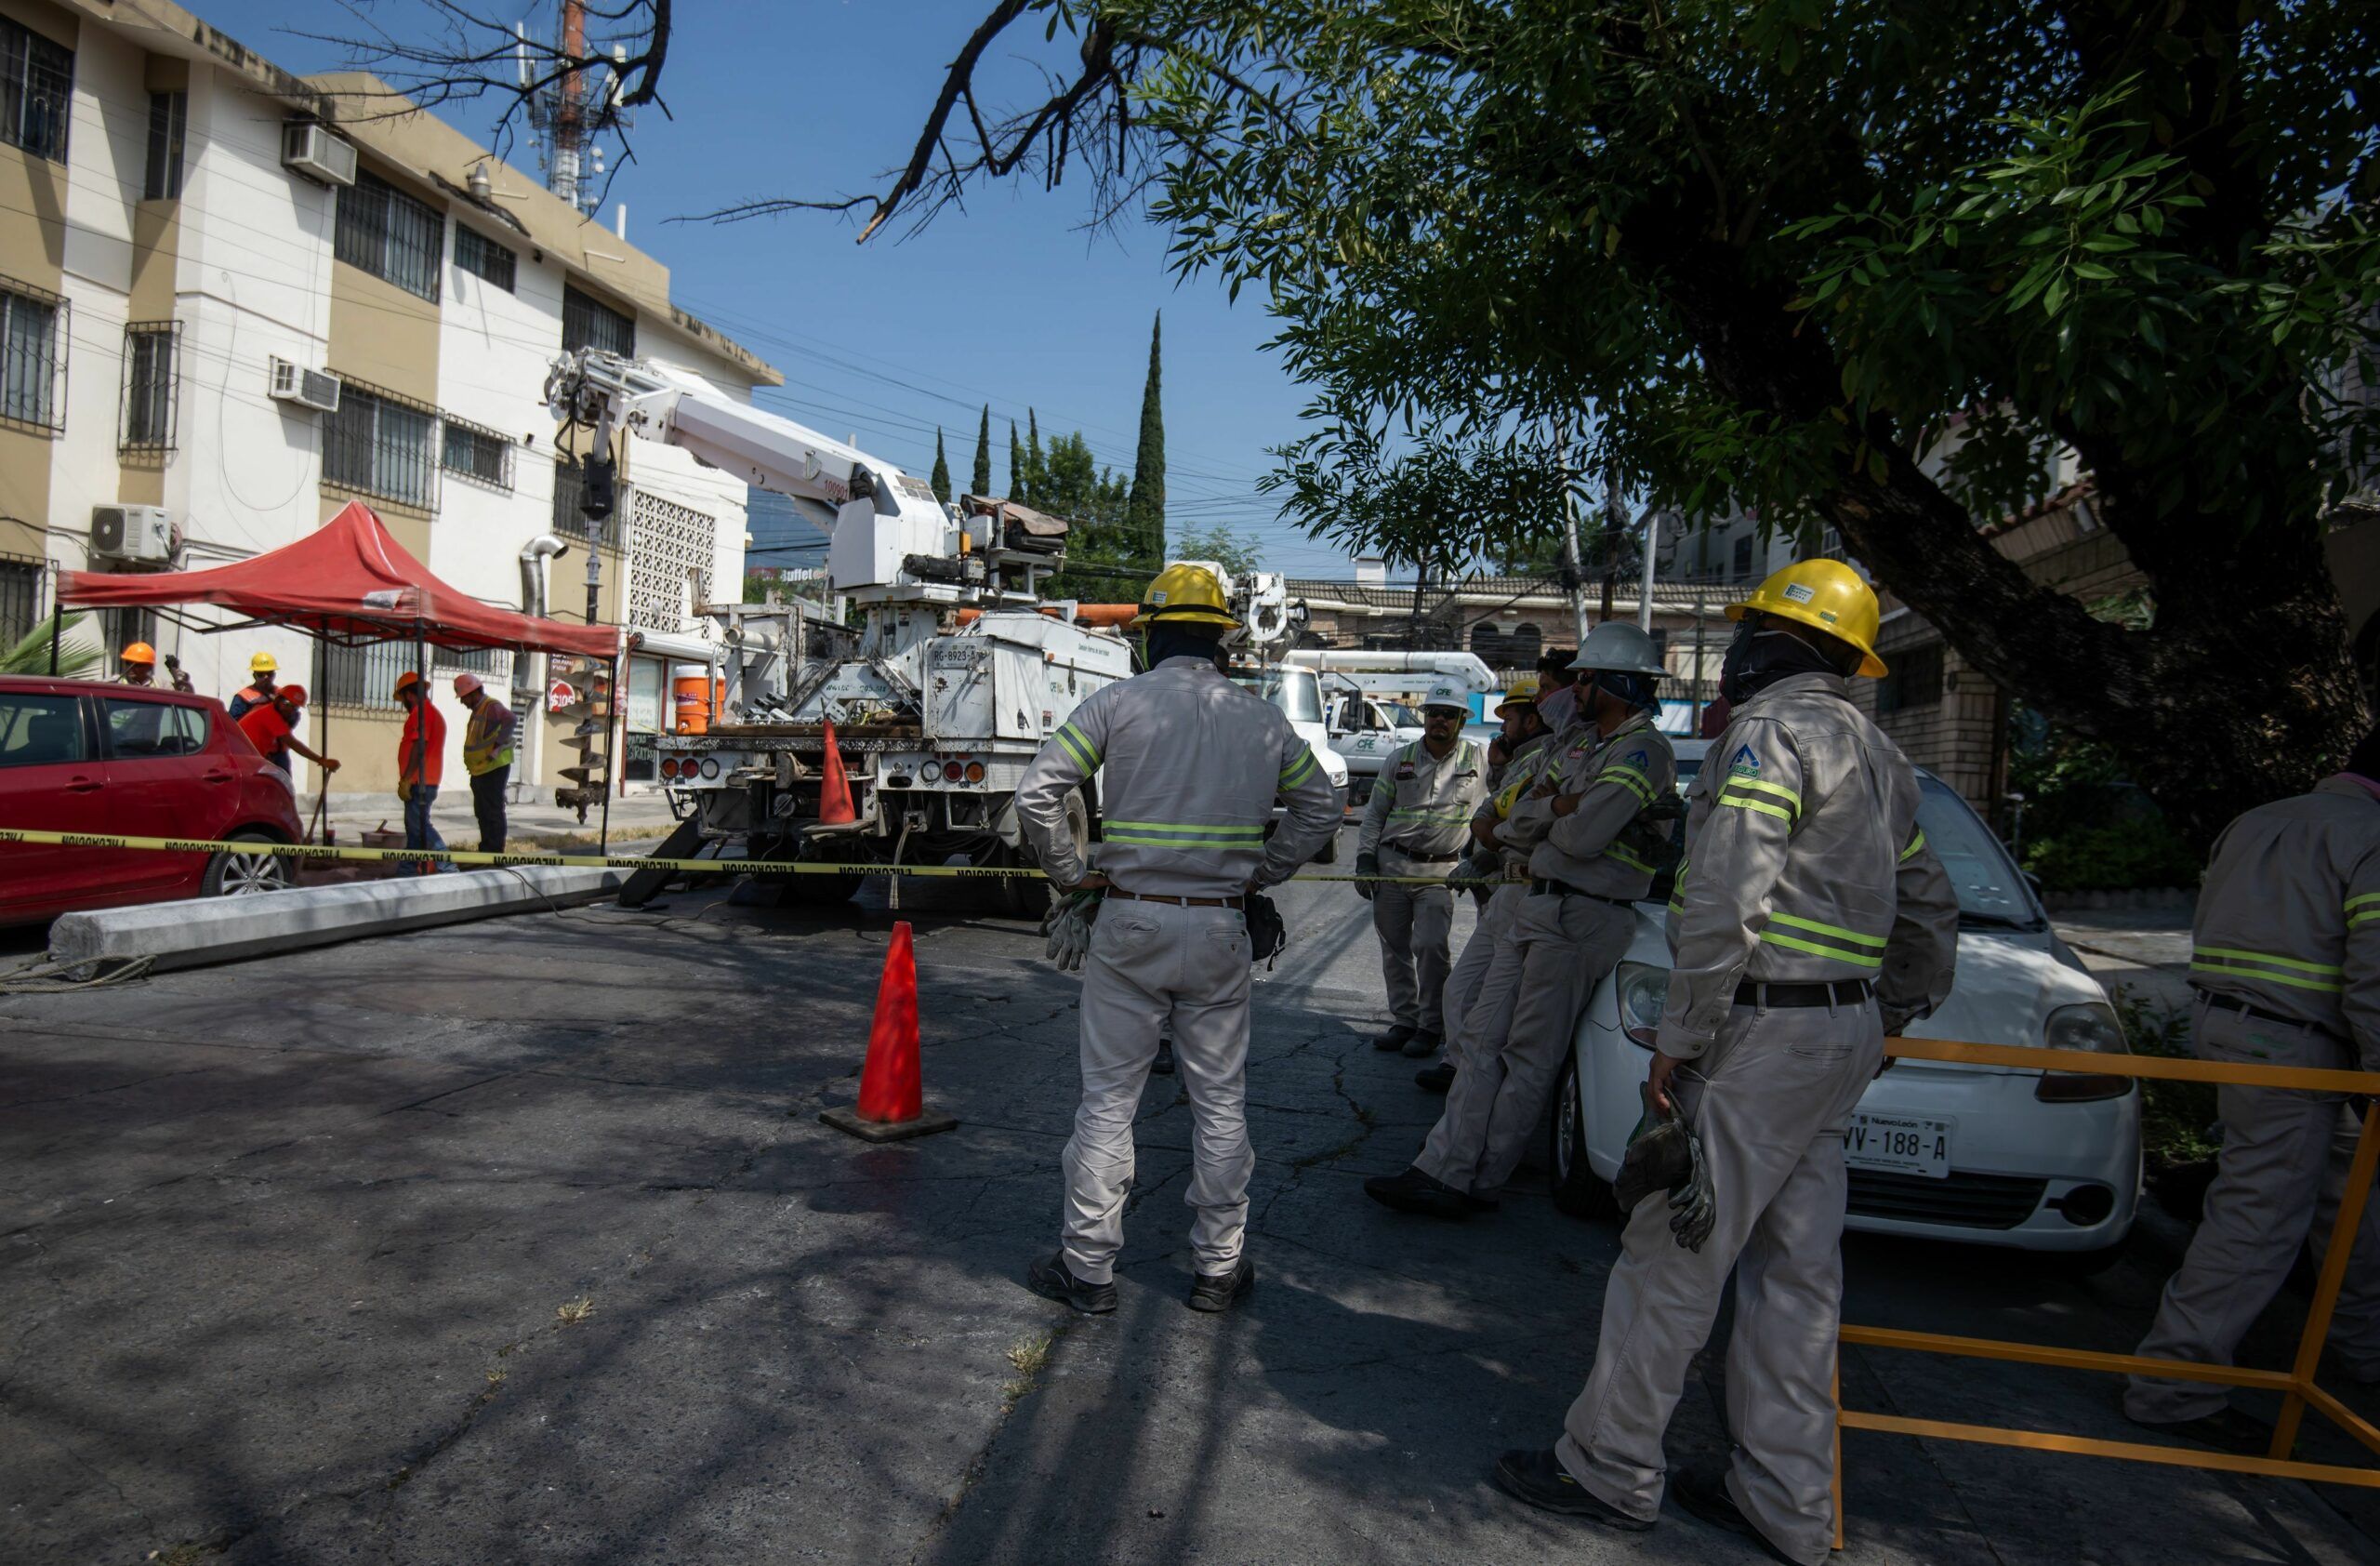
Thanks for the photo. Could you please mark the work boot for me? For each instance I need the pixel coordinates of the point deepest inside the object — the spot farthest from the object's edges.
(1702, 1491)
(1539, 1479)
(1395, 1038)
(1220, 1290)
(1434, 1079)
(1415, 1192)
(1055, 1280)
(1421, 1046)
(2227, 1429)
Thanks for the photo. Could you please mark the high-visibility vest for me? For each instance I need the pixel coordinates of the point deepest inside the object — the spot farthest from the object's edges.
(487, 737)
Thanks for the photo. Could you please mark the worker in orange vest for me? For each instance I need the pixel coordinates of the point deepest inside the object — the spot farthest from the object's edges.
(262, 670)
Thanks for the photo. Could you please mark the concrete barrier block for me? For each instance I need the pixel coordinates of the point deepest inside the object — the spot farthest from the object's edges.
(191, 933)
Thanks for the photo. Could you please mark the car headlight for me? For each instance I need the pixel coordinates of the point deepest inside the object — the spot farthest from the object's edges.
(2090, 1027)
(1642, 990)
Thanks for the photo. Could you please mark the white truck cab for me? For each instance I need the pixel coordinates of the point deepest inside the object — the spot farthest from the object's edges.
(1298, 693)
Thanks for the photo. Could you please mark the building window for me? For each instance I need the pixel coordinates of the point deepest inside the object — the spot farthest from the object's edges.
(36, 91)
(383, 447)
(364, 676)
(589, 322)
(484, 258)
(1914, 679)
(19, 599)
(149, 365)
(168, 122)
(390, 234)
(1743, 556)
(31, 328)
(478, 454)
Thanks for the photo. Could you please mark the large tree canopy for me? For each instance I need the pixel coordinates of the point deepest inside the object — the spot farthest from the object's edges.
(1866, 263)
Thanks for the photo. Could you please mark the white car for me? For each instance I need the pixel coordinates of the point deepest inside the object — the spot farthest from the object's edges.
(1987, 1155)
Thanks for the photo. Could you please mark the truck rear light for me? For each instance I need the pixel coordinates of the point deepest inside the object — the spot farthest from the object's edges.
(952, 772)
(710, 766)
(975, 772)
(669, 766)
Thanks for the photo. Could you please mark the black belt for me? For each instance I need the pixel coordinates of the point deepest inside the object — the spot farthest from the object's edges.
(1424, 858)
(1546, 886)
(1177, 902)
(1843, 992)
(2226, 1003)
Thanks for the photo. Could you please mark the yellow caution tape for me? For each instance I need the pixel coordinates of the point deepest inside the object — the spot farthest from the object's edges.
(316, 853)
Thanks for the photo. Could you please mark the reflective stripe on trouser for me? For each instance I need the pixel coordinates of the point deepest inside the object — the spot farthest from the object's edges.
(1149, 963)
(2284, 1162)
(1468, 983)
(1779, 1088)
(1566, 945)
(1413, 922)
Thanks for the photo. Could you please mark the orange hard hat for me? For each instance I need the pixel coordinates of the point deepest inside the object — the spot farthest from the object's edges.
(140, 652)
(294, 695)
(406, 681)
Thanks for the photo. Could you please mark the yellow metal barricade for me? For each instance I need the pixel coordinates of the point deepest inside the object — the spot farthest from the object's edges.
(2296, 1383)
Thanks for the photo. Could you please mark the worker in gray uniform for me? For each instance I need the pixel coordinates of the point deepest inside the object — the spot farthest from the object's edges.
(1415, 825)
(1813, 919)
(1189, 766)
(2286, 962)
(1490, 965)
(1586, 872)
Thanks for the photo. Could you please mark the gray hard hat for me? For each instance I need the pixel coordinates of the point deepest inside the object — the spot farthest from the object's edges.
(1619, 648)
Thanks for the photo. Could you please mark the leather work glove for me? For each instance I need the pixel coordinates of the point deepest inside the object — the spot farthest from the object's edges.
(1267, 934)
(1068, 927)
(1664, 1155)
(1694, 1207)
(1366, 864)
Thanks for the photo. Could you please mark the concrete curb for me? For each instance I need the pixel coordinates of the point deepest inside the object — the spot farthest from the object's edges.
(193, 934)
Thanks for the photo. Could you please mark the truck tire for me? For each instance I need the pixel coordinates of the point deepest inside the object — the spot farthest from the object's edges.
(1029, 896)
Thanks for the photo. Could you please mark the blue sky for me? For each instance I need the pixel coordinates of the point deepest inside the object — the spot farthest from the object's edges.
(1007, 302)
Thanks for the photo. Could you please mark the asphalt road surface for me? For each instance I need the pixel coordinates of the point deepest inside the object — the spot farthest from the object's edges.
(522, 1242)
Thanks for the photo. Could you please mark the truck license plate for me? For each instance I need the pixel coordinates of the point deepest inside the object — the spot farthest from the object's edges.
(1903, 1143)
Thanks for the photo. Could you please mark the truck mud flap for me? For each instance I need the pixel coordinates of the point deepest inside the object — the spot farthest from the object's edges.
(642, 886)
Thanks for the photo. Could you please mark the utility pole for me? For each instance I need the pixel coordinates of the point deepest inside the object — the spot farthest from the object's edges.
(1573, 568)
(1698, 660)
(1615, 527)
(1644, 597)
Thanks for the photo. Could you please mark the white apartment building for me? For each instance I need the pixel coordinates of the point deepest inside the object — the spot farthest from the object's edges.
(170, 245)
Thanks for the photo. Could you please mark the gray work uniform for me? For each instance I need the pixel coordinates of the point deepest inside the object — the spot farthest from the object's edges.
(1188, 765)
(1567, 932)
(1480, 990)
(1804, 865)
(2288, 926)
(1418, 822)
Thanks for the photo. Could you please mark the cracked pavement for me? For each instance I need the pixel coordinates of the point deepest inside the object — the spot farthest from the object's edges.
(521, 1241)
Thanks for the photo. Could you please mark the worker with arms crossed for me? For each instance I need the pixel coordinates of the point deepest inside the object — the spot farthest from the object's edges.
(1812, 920)
(1189, 766)
(1489, 967)
(1586, 871)
(1415, 825)
(2285, 958)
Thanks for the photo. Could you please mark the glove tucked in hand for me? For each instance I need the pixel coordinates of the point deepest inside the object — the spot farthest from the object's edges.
(1664, 1154)
(1068, 927)
(1366, 864)
(1266, 932)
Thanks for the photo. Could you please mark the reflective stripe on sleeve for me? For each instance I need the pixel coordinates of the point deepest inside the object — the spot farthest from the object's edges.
(1739, 792)
(1080, 747)
(2363, 909)
(1613, 851)
(1298, 771)
(1634, 781)
(1915, 843)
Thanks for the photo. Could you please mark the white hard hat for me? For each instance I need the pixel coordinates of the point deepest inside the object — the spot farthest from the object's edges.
(1619, 647)
(1448, 693)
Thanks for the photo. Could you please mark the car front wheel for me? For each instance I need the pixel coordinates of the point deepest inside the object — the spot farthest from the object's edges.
(1576, 1189)
(233, 874)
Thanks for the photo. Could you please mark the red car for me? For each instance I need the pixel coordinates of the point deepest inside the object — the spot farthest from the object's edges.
(78, 756)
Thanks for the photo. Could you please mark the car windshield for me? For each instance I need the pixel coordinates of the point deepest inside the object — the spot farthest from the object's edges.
(1989, 889)
(1294, 691)
(1400, 716)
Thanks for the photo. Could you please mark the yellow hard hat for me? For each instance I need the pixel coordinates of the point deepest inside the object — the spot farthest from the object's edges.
(1826, 595)
(262, 663)
(140, 652)
(1523, 694)
(1186, 595)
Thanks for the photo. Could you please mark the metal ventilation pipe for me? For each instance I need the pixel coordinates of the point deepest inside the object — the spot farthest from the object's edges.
(529, 669)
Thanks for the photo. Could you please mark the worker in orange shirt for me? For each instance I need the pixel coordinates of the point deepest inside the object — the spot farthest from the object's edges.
(421, 760)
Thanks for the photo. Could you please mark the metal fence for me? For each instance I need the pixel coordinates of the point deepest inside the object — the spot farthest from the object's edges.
(21, 579)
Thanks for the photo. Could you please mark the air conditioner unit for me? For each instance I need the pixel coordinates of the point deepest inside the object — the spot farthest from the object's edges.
(313, 389)
(140, 534)
(311, 150)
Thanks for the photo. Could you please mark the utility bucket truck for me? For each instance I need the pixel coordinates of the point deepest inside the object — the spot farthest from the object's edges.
(959, 674)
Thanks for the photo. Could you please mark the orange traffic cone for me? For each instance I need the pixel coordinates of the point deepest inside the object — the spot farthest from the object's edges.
(835, 791)
(892, 1085)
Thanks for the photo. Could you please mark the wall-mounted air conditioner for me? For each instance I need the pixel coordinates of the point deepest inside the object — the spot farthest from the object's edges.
(295, 383)
(311, 150)
(140, 534)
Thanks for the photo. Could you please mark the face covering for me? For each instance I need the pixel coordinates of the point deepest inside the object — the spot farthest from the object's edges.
(1758, 657)
(1559, 708)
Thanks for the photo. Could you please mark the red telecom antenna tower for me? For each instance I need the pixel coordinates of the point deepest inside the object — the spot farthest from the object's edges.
(567, 113)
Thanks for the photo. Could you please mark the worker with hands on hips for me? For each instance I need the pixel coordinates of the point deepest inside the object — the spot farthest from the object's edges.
(1416, 824)
(1811, 919)
(1189, 766)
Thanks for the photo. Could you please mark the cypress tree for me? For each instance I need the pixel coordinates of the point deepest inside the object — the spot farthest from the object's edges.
(1144, 517)
(1015, 466)
(1036, 467)
(941, 469)
(982, 478)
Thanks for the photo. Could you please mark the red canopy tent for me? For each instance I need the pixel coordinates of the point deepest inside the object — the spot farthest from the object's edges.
(348, 582)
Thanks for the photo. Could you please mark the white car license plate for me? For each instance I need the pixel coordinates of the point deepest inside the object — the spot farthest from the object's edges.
(1903, 1143)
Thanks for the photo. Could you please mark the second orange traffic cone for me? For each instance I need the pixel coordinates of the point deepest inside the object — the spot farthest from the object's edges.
(892, 1084)
(835, 788)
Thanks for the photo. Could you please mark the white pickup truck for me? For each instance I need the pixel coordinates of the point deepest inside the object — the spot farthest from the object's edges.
(1365, 730)
(1298, 693)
